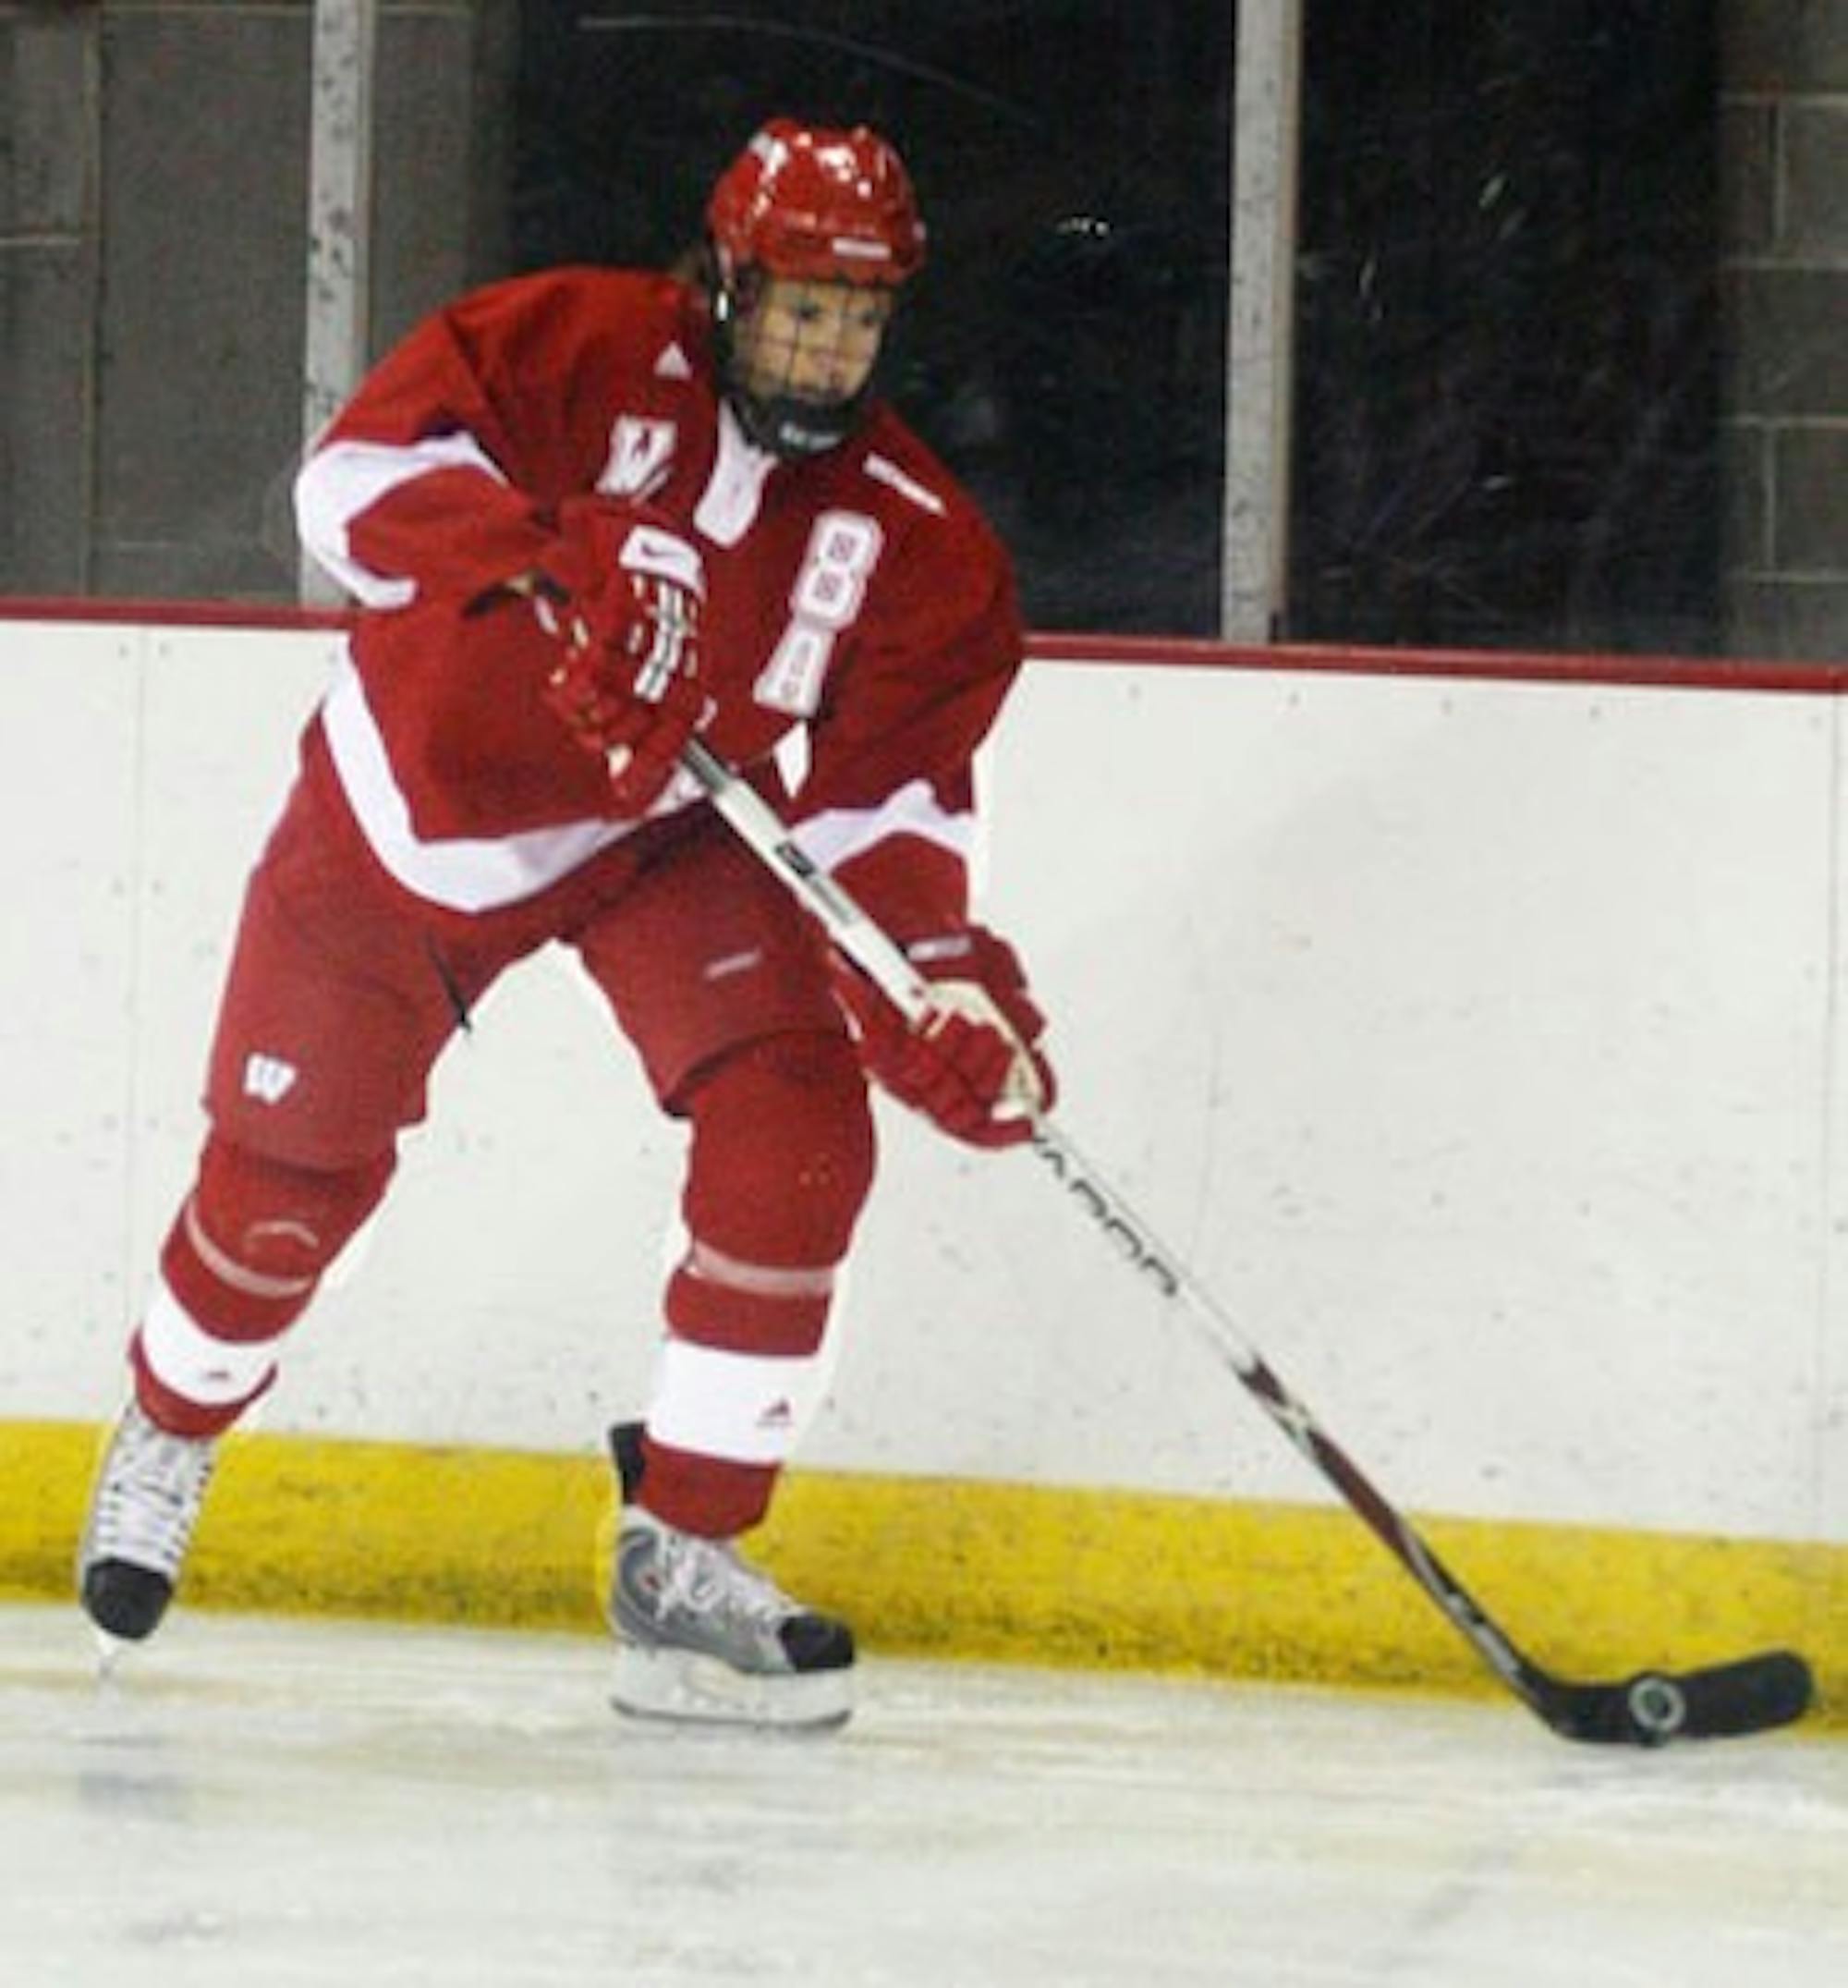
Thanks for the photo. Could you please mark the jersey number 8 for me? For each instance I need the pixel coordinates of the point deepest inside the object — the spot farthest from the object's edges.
(829, 592)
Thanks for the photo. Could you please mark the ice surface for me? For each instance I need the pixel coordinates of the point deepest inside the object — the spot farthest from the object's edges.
(260, 1802)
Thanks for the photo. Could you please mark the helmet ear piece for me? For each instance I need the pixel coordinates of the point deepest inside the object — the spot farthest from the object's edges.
(732, 287)
(746, 288)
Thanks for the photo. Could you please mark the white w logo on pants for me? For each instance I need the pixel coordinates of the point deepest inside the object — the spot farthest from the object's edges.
(268, 1077)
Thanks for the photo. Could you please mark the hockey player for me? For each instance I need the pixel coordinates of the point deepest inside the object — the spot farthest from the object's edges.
(585, 515)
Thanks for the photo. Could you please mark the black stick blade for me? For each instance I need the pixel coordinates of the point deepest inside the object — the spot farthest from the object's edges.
(1723, 1702)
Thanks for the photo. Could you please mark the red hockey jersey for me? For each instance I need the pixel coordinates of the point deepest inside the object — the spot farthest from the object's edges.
(858, 595)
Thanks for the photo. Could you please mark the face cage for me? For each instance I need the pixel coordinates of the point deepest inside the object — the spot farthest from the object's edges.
(789, 425)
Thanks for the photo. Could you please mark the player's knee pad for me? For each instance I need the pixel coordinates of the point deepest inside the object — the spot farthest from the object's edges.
(251, 1243)
(782, 1150)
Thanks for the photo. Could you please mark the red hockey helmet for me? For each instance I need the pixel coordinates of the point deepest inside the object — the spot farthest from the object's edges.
(802, 204)
(803, 200)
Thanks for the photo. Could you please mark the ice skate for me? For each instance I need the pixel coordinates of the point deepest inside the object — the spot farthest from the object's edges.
(146, 1501)
(704, 1636)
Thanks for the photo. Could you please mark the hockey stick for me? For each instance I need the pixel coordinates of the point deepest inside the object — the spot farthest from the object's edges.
(1769, 1689)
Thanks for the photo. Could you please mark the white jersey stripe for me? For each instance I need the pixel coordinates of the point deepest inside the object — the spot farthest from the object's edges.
(339, 482)
(893, 477)
(467, 873)
(831, 839)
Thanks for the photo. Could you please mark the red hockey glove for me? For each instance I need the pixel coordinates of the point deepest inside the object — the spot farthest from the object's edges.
(973, 1064)
(620, 595)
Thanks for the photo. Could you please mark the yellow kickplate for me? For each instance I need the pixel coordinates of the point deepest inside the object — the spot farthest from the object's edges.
(958, 1567)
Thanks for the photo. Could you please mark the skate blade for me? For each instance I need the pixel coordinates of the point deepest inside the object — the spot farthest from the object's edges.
(110, 1651)
(681, 1686)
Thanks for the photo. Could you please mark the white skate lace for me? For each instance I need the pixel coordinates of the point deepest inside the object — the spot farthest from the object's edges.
(706, 1578)
(149, 1502)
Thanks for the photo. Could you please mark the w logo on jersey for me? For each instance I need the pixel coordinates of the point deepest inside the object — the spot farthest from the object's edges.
(268, 1078)
(641, 449)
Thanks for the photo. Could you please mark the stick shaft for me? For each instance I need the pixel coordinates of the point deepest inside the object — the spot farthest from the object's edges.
(874, 952)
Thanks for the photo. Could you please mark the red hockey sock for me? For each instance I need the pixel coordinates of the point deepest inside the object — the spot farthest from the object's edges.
(782, 1158)
(242, 1261)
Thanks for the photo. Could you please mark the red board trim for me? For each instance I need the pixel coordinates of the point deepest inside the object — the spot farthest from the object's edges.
(1479, 665)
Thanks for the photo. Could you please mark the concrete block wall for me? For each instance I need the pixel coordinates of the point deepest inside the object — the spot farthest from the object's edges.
(152, 187)
(1785, 278)
(49, 116)
(154, 176)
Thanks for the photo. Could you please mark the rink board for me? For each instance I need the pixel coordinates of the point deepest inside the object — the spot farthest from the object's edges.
(1475, 1037)
(963, 1569)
